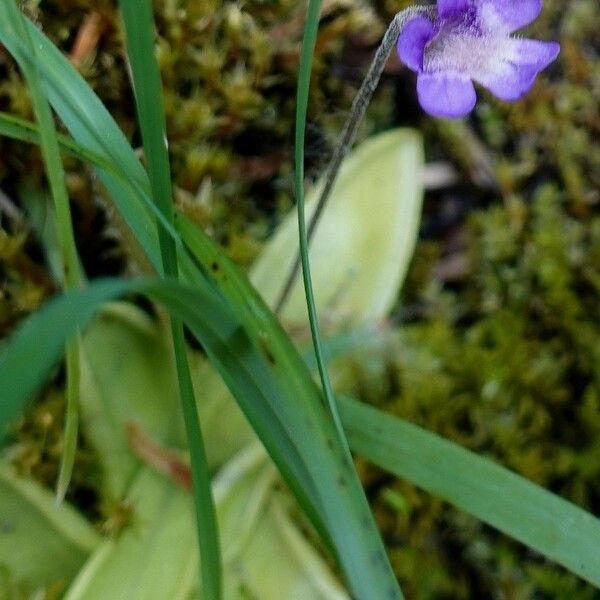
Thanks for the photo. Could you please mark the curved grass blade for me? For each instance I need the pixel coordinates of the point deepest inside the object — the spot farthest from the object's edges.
(26, 131)
(435, 464)
(558, 529)
(71, 275)
(59, 319)
(126, 193)
(385, 584)
(93, 128)
(309, 40)
(343, 506)
(266, 330)
(139, 28)
(90, 124)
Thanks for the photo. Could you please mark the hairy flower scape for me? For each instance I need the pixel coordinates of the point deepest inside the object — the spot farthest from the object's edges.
(468, 41)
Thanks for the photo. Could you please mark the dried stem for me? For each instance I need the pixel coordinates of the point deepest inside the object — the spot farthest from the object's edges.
(348, 135)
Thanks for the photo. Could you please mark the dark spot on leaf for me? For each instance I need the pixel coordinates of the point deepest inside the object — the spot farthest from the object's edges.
(6, 526)
(268, 354)
(378, 559)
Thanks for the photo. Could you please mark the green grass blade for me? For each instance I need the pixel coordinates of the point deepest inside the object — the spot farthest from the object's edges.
(26, 131)
(139, 27)
(57, 318)
(558, 529)
(242, 367)
(262, 327)
(72, 275)
(20, 377)
(344, 508)
(90, 123)
(266, 331)
(385, 583)
(139, 30)
(91, 126)
(304, 70)
(94, 130)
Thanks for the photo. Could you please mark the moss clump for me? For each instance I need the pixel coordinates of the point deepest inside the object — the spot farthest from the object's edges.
(24, 283)
(36, 448)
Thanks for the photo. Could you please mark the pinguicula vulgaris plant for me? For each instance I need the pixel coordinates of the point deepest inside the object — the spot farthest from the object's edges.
(450, 46)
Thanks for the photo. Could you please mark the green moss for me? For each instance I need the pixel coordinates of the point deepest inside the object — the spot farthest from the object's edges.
(36, 448)
(23, 282)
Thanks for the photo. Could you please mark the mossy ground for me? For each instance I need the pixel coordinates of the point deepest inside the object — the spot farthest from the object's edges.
(499, 339)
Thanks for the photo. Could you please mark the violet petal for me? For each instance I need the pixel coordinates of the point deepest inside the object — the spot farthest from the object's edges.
(536, 53)
(451, 8)
(514, 74)
(508, 15)
(446, 94)
(411, 42)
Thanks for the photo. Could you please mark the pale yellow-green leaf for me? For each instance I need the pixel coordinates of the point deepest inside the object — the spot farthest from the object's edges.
(365, 238)
(278, 562)
(162, 528)
(126, 377)
(40, 543)
(155, 557)
(224, 427)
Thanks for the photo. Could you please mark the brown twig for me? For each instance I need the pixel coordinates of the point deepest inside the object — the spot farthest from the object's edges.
(162, 459)
(87, 38)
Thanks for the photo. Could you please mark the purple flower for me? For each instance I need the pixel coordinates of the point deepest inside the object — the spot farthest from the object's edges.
(468, 41)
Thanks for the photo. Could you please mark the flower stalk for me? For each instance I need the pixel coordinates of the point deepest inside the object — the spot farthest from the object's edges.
(350, 129)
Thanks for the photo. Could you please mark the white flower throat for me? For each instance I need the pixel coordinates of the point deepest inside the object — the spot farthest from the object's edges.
(467, 50)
